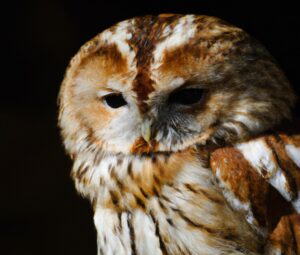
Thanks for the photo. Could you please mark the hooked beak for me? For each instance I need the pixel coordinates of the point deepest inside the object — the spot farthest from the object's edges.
(146, 130)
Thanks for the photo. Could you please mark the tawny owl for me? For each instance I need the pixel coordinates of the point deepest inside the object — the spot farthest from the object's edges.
(174, 123)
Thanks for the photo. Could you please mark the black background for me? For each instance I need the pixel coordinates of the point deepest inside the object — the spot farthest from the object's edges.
(40, 212)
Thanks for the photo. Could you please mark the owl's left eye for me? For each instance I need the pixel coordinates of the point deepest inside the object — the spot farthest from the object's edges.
(115, 100)
(186, 96)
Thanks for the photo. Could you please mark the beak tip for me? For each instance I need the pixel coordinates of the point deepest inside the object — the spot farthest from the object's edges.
(147, 138)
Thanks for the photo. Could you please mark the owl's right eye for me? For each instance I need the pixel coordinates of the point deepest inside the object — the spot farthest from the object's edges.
(115, 100)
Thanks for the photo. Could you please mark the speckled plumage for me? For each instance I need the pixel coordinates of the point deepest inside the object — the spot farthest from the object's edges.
(169, 177)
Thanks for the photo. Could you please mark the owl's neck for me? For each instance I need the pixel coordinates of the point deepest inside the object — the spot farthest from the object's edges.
(167, 205)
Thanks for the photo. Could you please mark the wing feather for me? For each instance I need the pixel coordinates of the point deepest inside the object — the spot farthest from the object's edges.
(261, 179)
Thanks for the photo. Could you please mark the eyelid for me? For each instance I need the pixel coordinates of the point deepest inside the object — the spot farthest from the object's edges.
(188, 86)
(191, 86)
(104, 93)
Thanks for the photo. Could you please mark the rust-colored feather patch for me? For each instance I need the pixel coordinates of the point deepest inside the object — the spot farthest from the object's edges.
(141, 146)
(245, 183)
(286, 237)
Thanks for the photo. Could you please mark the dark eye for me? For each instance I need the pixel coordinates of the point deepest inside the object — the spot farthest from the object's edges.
(115, 100)
(186, 96)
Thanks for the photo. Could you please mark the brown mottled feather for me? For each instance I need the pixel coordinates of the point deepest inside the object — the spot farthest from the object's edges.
(285, 239)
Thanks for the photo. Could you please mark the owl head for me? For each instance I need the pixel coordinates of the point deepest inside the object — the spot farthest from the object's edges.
(164, 83)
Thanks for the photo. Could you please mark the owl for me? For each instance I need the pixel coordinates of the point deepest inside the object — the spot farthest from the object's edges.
(180, 132)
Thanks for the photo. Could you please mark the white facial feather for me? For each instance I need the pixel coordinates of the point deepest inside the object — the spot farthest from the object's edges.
(181, 33)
